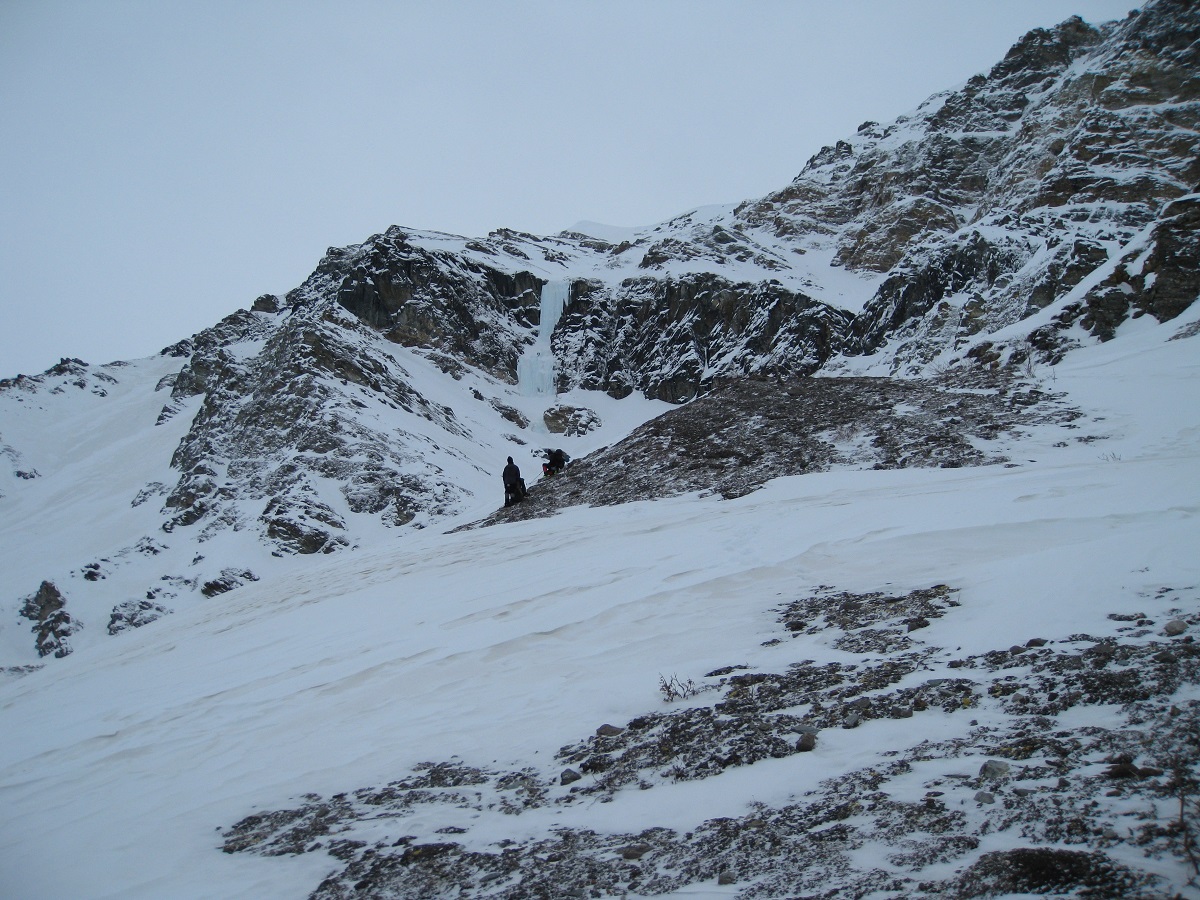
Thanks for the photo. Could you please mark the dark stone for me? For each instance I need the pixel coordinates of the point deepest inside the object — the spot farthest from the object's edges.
(1174, 262)
(994, 768)
(635, 851)
(230, 579)
(303, 526)
(1123, 769)
(52, 624)
(267, 303)
(135, 614)
(649, 334)
(570, 420)
(1043, 870)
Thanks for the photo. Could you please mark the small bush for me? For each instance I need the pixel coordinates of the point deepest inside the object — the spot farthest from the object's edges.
(673, 689)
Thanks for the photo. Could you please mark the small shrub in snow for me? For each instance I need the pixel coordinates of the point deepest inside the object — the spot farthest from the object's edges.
(674, 689)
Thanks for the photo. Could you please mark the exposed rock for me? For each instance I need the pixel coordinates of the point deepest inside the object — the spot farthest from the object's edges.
(821, 843)
(136, 613)
(52, 624)
(994, 200)
(286, 422)
(570, 420)
(745, 432)
(671, 338)
(1048, 870)
(509, 414)
(268, 303)
(994, 768)
(303, 525)
(419, 298)
(239, 327)
(230, 578)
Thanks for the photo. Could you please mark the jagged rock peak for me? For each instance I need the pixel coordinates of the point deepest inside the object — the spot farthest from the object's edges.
(1051, 188)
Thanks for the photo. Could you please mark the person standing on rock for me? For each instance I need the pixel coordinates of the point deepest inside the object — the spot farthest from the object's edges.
(514, 484)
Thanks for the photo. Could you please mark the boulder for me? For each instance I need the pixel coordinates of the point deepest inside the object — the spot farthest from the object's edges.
(570, 420)
(994, 768)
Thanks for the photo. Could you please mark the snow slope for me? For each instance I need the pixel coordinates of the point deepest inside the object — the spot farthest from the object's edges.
(121, 765)
(90, 520)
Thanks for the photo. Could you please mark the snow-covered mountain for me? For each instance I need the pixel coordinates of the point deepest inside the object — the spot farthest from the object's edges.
(877, 479)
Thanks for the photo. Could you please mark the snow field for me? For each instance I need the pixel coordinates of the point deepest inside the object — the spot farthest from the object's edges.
(121, 763)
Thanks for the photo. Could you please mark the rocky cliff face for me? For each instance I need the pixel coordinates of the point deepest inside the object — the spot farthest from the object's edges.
(1057, 183)
(669, 338)
(999, 199)
(273, 424)
(910, 241)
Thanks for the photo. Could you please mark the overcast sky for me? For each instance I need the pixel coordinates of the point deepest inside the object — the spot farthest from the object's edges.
(164, 163)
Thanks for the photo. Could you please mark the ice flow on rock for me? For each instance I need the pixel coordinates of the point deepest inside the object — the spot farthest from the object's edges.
(535, 368)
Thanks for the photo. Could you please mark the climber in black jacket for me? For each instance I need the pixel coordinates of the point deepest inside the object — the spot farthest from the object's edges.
(514, 484)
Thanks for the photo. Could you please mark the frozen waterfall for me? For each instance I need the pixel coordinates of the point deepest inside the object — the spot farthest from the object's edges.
(535, 368)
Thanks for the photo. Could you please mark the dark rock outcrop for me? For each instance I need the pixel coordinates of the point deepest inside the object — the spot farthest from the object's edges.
(671, 338)
(274, 426)
(745, 432)
(135, 614)
(1161, 279)
(229, 579)
(451, 303)
(996, 200)
(52, 624)
(570, 420)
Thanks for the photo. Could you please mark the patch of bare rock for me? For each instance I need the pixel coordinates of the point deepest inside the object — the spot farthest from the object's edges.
(746, 432)
(1032, 803)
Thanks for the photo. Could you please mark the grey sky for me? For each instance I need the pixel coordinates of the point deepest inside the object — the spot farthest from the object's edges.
(164, 163)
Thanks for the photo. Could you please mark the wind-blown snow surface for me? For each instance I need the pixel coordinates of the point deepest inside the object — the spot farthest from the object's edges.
(121, 764)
